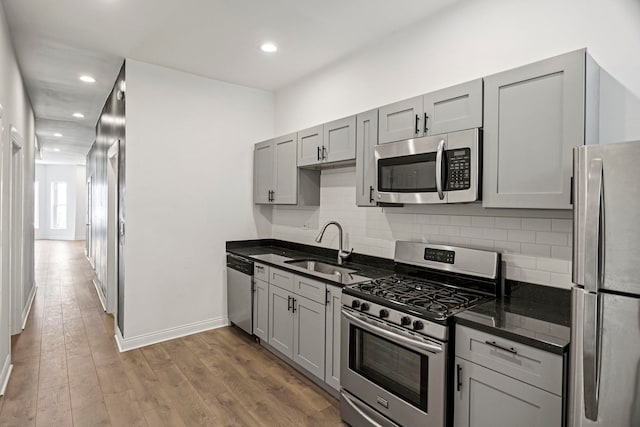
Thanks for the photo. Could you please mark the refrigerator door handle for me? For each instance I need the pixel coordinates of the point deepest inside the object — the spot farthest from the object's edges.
(592, 262)
(591, 353)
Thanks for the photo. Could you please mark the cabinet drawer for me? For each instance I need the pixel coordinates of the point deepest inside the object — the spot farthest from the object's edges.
(281, 278)
(312, 289)
(261, 271)
(530, 365)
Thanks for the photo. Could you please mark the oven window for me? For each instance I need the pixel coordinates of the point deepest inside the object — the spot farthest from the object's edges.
(390, 366)
(408, 174)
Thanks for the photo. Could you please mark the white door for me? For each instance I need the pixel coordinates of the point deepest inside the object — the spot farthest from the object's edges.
(112, 229)
(16, 227)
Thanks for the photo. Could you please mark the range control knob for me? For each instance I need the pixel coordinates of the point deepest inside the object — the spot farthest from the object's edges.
(364, 306)
(417, 325)
(384, 313)
(355, 303)
(405, 321)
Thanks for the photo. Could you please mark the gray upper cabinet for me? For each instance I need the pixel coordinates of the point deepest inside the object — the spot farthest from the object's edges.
(339, 142)
(401, 120)
(533, 116)
(310, 146)
(454, 108)
(366, 141)
(263, 172)
(277, 179)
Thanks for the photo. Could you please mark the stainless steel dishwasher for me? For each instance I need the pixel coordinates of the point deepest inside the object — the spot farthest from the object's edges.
(240, 292)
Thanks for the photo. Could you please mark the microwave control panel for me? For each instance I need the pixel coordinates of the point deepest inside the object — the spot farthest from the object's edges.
(458, 169)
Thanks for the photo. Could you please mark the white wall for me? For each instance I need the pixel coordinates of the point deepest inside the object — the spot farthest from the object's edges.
(470, 40)
(75, 177)
(189, 175)
(16, 111)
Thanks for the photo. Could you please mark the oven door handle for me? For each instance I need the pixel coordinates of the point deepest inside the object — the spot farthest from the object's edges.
(397, 336)
(439, 169)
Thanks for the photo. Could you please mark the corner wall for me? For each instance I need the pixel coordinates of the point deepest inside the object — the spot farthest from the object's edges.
(17, 112)
(471, 39)
(189, 175)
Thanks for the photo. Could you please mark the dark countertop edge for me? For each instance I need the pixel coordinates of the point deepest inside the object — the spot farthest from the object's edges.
(329, 254)
(281, 247)
(522, 339)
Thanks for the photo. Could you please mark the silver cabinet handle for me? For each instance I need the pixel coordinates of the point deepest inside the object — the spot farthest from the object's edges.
(594, 225)
(439, 169)
(396, 336)
(324, 153)
(498, 346)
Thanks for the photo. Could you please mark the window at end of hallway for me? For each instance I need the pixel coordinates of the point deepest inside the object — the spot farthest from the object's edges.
(58, 205)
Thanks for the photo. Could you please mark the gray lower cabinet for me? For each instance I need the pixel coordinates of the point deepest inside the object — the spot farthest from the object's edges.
(261, 309)
(486, 398)
(280, 320)
(308, 329)
(332, 335)
(451, 109)
(533, 116)
(366, 141)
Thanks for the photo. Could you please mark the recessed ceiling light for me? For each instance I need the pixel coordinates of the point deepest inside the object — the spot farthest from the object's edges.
(56, 149)
(269, 47)
(57, 135)
(87, 79)
(78, 115)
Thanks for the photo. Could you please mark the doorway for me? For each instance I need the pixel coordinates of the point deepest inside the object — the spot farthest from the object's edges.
(89, 233)
(16, 232)
(112, 229)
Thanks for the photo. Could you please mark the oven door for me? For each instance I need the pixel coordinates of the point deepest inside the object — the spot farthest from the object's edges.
(400, 374)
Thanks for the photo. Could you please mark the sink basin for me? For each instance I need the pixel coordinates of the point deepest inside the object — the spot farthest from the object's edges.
(320, 267)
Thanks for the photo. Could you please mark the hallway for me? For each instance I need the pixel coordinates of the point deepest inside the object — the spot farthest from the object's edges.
(68, 371)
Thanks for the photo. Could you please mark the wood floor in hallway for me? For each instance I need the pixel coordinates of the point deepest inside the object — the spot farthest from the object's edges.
(68, 371)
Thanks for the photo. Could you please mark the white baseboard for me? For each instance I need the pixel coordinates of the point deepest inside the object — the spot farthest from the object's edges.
(27, 309)
(100, 296)
(7, 367)
(126, 344)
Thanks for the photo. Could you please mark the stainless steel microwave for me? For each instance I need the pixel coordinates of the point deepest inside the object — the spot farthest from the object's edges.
(434, 169)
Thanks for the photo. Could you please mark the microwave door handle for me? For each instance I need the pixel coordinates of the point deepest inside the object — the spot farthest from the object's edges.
(439, 169)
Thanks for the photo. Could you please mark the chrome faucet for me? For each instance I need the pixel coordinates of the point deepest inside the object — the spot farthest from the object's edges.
(342, 255)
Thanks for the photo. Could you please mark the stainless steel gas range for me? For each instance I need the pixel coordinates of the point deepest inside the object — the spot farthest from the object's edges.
(395, 334)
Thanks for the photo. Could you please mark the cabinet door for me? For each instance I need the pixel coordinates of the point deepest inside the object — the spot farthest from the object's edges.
(308, 334)
(454, 108)
(533, 116)
(339, 141)
(285, 189)
(262, 172)
(332, 344)
(366, 141)
(486, 398)
(310, 146)
(261, 309)
(400, 120)
(280, 321)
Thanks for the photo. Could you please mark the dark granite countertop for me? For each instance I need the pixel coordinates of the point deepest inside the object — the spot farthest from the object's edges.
(534, 315)
(274, 252)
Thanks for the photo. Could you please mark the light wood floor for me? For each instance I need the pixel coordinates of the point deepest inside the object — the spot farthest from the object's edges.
(68, 371)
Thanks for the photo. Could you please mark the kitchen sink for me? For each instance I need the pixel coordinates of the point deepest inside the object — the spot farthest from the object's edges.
(320, 267)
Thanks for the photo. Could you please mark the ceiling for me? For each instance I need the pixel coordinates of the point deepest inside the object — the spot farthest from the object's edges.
(57, 41)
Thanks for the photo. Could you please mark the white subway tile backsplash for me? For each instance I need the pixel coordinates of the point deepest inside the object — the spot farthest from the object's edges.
(523, 236)
(562, 225)
(536, 224)
(549, 238)
(508, 223)
(483, 221)
(536, 250)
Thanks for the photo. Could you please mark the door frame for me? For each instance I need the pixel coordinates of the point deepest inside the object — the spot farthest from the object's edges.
(89, 224)
(113, 237)
(16, 230)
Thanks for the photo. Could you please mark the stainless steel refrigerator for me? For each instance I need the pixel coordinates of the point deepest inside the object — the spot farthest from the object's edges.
(604, 386)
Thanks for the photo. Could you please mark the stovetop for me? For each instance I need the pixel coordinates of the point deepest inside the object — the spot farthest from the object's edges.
(428, 299)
